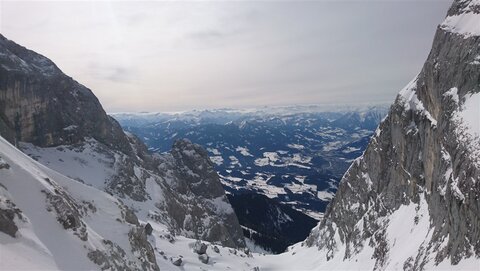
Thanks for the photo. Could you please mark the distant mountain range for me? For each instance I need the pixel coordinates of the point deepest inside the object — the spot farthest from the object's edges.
(79, 193)
(293, 155)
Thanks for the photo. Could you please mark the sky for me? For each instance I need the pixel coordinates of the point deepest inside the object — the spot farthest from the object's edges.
(182, 55)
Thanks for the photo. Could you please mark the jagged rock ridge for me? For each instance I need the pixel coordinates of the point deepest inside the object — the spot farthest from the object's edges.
(421, 169)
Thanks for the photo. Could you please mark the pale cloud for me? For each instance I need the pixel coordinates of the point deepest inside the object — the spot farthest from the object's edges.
(167, 56)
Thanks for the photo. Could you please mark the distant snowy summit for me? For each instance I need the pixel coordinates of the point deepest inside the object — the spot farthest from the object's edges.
(257, 111)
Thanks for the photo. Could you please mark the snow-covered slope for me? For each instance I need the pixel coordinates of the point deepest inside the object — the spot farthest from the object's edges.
(463, 19)
(61, 223)
(51, 222)
(61, 123)
(412, 200)
(181, 191)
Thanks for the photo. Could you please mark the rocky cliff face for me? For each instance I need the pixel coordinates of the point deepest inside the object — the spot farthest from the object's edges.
(61, 124)
(40, 104)
(196, 201)
(419, 179)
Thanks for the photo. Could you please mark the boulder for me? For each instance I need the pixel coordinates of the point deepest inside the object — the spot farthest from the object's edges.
(148, 229)
(203, 258)
(177, 261)
(200, 248)
(7, 225)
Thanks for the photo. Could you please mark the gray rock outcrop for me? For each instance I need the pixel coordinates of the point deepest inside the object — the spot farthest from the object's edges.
(42, 105)
(7, 223)
(141, 247)
(200, 248)
(196, 201)
(177, 261)
(420, 155)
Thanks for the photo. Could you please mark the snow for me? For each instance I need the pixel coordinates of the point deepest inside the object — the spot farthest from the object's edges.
(409, 220)
(234, 161)
(218, 160)
(296, 146)
(299, 158)
(84, 163)
(466, 24)
(261, 162)
(272, 156)
(273, 159)
(254, 247)
(407, 231)
(222, 205)
(42, 240)
(244, 151)
(455, 190)
(302, 188)
(42, 243)
(226, 259)
(470, 113)
(26, 253)
(453, 94)
(330, 146)
(411, 101)
(70, 128)
(351, 149)
(368, 180)
(325, 195)
(467, 120)
(214, 151)
(476, 61)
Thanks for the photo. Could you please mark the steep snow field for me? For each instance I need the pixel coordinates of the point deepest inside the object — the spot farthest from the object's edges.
(42, 242)
(470, 112)
(466, 24)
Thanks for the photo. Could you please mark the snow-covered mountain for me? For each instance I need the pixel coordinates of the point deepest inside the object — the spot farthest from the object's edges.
(61, 124)
(53, 222)
(411, 201)
(294, 157)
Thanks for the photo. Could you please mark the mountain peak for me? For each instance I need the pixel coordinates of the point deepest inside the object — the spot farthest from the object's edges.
(421, 159)
(44, 106)
(463, 18)
(15, 57)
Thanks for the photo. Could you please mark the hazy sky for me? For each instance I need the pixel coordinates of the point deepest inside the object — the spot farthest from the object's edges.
(171, 56)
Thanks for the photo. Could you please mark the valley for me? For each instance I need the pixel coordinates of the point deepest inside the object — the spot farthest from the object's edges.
(297, 187)
(294, 155)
